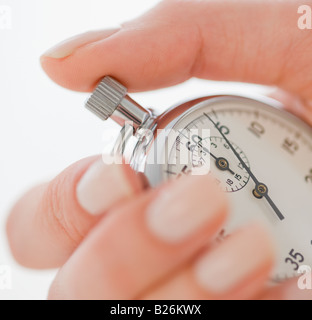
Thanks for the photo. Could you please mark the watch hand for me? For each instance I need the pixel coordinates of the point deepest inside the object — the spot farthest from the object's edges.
(261, 190)
(222, 163)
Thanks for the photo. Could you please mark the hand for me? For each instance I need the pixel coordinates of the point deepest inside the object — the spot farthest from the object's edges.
(113, 238)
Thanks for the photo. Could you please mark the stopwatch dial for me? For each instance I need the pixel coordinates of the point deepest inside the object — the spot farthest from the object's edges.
(227, 171)
(266, 170)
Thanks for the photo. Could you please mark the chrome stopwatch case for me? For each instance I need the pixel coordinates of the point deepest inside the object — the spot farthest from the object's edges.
(257, 153)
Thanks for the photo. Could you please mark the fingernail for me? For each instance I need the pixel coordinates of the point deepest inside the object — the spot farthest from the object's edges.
(68, 46)
(183, 207)
(104, 185)
(242, 256)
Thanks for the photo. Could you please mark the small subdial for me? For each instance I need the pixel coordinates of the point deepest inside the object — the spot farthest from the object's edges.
(224, 166)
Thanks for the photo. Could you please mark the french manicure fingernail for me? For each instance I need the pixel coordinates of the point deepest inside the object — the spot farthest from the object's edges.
(185, 206)
(68, 46)
(104, 185)
(240, 257)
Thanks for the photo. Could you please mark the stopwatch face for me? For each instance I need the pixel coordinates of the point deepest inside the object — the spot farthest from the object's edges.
(261, 157)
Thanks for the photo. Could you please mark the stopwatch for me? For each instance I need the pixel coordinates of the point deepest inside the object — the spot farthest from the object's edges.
(256, 152)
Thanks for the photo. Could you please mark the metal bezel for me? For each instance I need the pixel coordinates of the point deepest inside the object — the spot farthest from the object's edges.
(171, 118)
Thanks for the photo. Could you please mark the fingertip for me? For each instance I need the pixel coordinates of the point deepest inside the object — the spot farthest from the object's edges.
(64, 73)
(16, 222)
(106, 184)
(239, 266)
(145, 54)
(66, 67)
(137, 180)
(302, 108)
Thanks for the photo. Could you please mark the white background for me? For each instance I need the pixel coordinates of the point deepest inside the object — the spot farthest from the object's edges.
(43, 127)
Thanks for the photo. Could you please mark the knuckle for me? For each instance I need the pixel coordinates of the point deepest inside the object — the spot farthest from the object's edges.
(57, 204)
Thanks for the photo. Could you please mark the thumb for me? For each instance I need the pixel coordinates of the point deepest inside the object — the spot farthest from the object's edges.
(250, 41)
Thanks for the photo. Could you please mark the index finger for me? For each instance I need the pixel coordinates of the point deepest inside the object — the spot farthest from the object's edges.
(48, 223)
(250, 41)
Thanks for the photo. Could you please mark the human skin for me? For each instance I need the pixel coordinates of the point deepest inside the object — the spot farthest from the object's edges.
(112, 237)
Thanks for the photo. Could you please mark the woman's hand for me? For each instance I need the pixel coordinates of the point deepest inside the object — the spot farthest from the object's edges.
(112, 237)
(115, 240)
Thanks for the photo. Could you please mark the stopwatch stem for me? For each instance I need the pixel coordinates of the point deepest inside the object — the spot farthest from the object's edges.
(110, 99)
